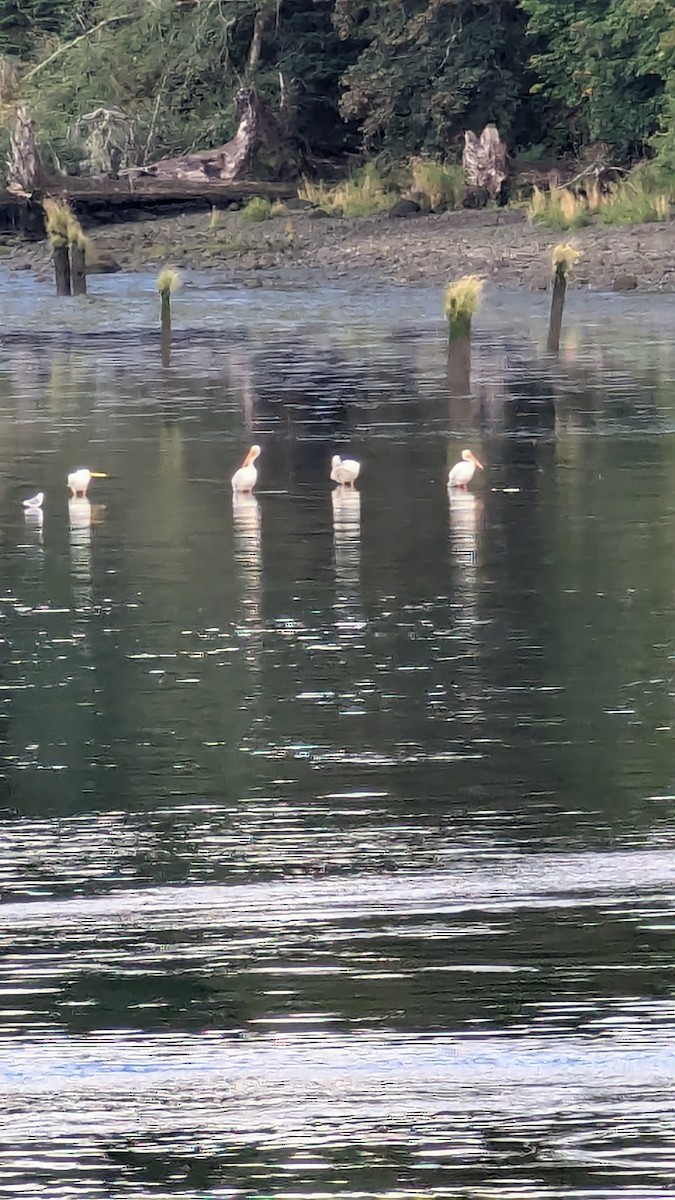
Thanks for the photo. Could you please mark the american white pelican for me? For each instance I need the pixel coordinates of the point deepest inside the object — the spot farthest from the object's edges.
(33, 503)
(463, 472)
(344, 470)
(78, 481)
(244, 480)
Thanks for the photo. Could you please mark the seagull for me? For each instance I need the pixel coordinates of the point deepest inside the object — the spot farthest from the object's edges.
(344, 470)
(244, 480)
(34, 503)
(463, 472)
(78, 481)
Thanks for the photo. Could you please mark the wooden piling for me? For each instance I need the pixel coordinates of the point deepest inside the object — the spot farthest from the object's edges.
(563, 259)
(167, 282)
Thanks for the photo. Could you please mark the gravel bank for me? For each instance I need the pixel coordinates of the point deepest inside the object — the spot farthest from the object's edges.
(501, 246)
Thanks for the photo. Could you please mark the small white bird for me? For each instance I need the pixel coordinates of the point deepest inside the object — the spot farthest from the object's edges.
(245, 479)
(33, 503)
(344, 470)
(78, 481)
(463, 472)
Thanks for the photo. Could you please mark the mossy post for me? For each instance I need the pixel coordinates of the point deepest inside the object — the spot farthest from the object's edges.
(56, 222)
(461, 303)
(562, 260)
(167, 283)
(78, 256)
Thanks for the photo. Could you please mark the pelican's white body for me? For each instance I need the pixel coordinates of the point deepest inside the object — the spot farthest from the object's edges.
(78, 481)
(344, 470)
(34, 502)
(463, 472)
(245, 479)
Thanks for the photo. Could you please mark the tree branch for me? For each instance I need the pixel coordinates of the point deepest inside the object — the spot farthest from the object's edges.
(69, 45)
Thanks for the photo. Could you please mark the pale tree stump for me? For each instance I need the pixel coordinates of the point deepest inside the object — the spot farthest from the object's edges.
(24, 169)
(484, 160)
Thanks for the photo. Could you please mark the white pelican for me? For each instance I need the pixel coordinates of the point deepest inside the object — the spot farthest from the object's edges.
(344, 470)
(78, 481)
(244, 480)
(463, 472)
(34, 503)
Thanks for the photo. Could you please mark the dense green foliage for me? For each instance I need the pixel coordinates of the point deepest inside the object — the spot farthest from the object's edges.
(401, 76)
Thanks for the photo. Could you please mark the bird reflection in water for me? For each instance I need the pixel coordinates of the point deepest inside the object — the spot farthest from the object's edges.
(246, 523)
(34, 518)
(465, 517)
(347, 544)
(79, 522)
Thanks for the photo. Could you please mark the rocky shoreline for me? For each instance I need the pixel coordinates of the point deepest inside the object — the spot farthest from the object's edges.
(499, 245)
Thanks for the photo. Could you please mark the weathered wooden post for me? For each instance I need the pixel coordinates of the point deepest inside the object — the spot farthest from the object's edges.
(56, 222)
(462, 301)
(562, 260)
(77, 242)
(168, 281)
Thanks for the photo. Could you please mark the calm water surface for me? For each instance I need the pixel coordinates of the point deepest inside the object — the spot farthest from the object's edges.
(337, 832)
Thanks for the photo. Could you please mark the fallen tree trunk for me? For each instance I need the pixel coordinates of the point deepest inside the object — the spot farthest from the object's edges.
(225, 163)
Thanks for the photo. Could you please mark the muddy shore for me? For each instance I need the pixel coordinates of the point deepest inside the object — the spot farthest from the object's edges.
(499, 245)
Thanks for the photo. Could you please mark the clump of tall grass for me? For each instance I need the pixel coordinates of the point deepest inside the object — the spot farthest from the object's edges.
(633, 201)
(461, 302)
(559, 208)
(57, 219)
(258, 208)
(75, 233)
(168, 281)
(639, 198)
(362, 195)
(563, 258)
(442, 183)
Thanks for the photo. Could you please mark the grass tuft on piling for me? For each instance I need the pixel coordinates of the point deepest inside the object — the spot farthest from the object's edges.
(57, 217)
(564, 257)
(74, 232)
(461, 303)
(168, 281)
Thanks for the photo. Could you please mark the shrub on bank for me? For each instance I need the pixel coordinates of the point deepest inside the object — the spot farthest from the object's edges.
(442, 183)
(641, 197)
(362, 195)
(633, 202)
(256, 209)
(559, 208)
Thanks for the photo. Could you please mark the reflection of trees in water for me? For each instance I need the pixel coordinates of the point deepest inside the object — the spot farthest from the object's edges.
(528, 395)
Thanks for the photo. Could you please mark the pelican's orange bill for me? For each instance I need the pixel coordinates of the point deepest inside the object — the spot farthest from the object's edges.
(98, 474)
(478, 464)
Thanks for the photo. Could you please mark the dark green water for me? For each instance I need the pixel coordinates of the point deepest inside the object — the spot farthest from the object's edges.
(336, 834)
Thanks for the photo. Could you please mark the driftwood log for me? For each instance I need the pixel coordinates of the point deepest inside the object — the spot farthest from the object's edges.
(192, 174)
(484, 160)
(225, 163)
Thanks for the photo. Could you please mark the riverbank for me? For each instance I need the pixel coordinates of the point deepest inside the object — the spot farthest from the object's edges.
(499, 245)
